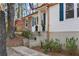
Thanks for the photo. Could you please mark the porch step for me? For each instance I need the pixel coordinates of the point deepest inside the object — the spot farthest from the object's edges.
(24, 51)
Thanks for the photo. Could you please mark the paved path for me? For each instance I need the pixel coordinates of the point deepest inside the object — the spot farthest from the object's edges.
(23, 51)
(11, 52)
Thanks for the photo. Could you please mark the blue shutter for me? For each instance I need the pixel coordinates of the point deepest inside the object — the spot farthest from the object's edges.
(61, 14)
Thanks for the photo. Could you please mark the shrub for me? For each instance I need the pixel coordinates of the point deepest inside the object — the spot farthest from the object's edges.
(71, 45)
(27, 34)
(55, 45)
(46, 46)
(52, 45)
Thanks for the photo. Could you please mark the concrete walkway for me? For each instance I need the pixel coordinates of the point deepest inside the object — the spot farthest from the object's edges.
(11, 52)
(23, 51)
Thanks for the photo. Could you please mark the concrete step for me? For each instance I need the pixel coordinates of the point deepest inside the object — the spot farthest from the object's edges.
(11, 52)
(24, 51)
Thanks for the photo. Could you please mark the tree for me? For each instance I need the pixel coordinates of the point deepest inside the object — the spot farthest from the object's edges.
(10, 18)
(2, 34)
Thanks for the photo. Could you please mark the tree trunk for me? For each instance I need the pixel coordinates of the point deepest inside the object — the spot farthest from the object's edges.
(2, 34)
(11, 14)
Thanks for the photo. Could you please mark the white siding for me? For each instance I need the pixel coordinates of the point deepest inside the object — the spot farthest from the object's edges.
(61, 26)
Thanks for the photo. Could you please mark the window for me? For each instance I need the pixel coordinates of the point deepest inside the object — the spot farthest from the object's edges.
(43, 21)
(33, 21)
(37, 20)
(69, 10)
(27, 22)
(36, 27)
(77, 9)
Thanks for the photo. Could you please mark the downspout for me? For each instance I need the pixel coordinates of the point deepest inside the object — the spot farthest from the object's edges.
(48, 33)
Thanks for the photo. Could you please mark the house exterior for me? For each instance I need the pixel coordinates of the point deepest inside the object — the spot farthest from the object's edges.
(64, 21)
(38, 23)
(55, 20)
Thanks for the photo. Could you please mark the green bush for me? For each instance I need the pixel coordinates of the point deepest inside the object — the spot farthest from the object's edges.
(46, 45)
(27, 34)
(71, 45)
(55, 45)
(52, 45)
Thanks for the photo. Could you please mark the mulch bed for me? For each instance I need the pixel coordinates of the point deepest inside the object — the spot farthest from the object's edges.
(50, 53)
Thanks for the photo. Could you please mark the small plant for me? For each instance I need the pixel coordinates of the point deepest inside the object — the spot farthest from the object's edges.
(27, 34)
(52, 45)
(55, 45)
(46, 46)
(71, 45)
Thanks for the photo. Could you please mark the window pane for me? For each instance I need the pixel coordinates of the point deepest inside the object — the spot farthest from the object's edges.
(33, 21)
(77, 12)
(77, 5)
(70, 14)
(69, 10)
(37, 20)
(69, 6)
(43, 20)
(77, 9)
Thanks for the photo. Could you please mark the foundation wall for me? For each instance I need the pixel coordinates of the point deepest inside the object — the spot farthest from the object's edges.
(63, 35)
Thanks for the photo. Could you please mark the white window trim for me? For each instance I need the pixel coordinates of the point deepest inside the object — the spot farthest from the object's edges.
(75, 10)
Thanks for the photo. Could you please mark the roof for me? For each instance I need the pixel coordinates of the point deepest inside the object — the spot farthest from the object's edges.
(45, 4)
(31, 14)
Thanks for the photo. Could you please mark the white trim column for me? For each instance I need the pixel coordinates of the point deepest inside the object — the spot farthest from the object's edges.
(39, 21)
(46, 26)
(75, 10)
